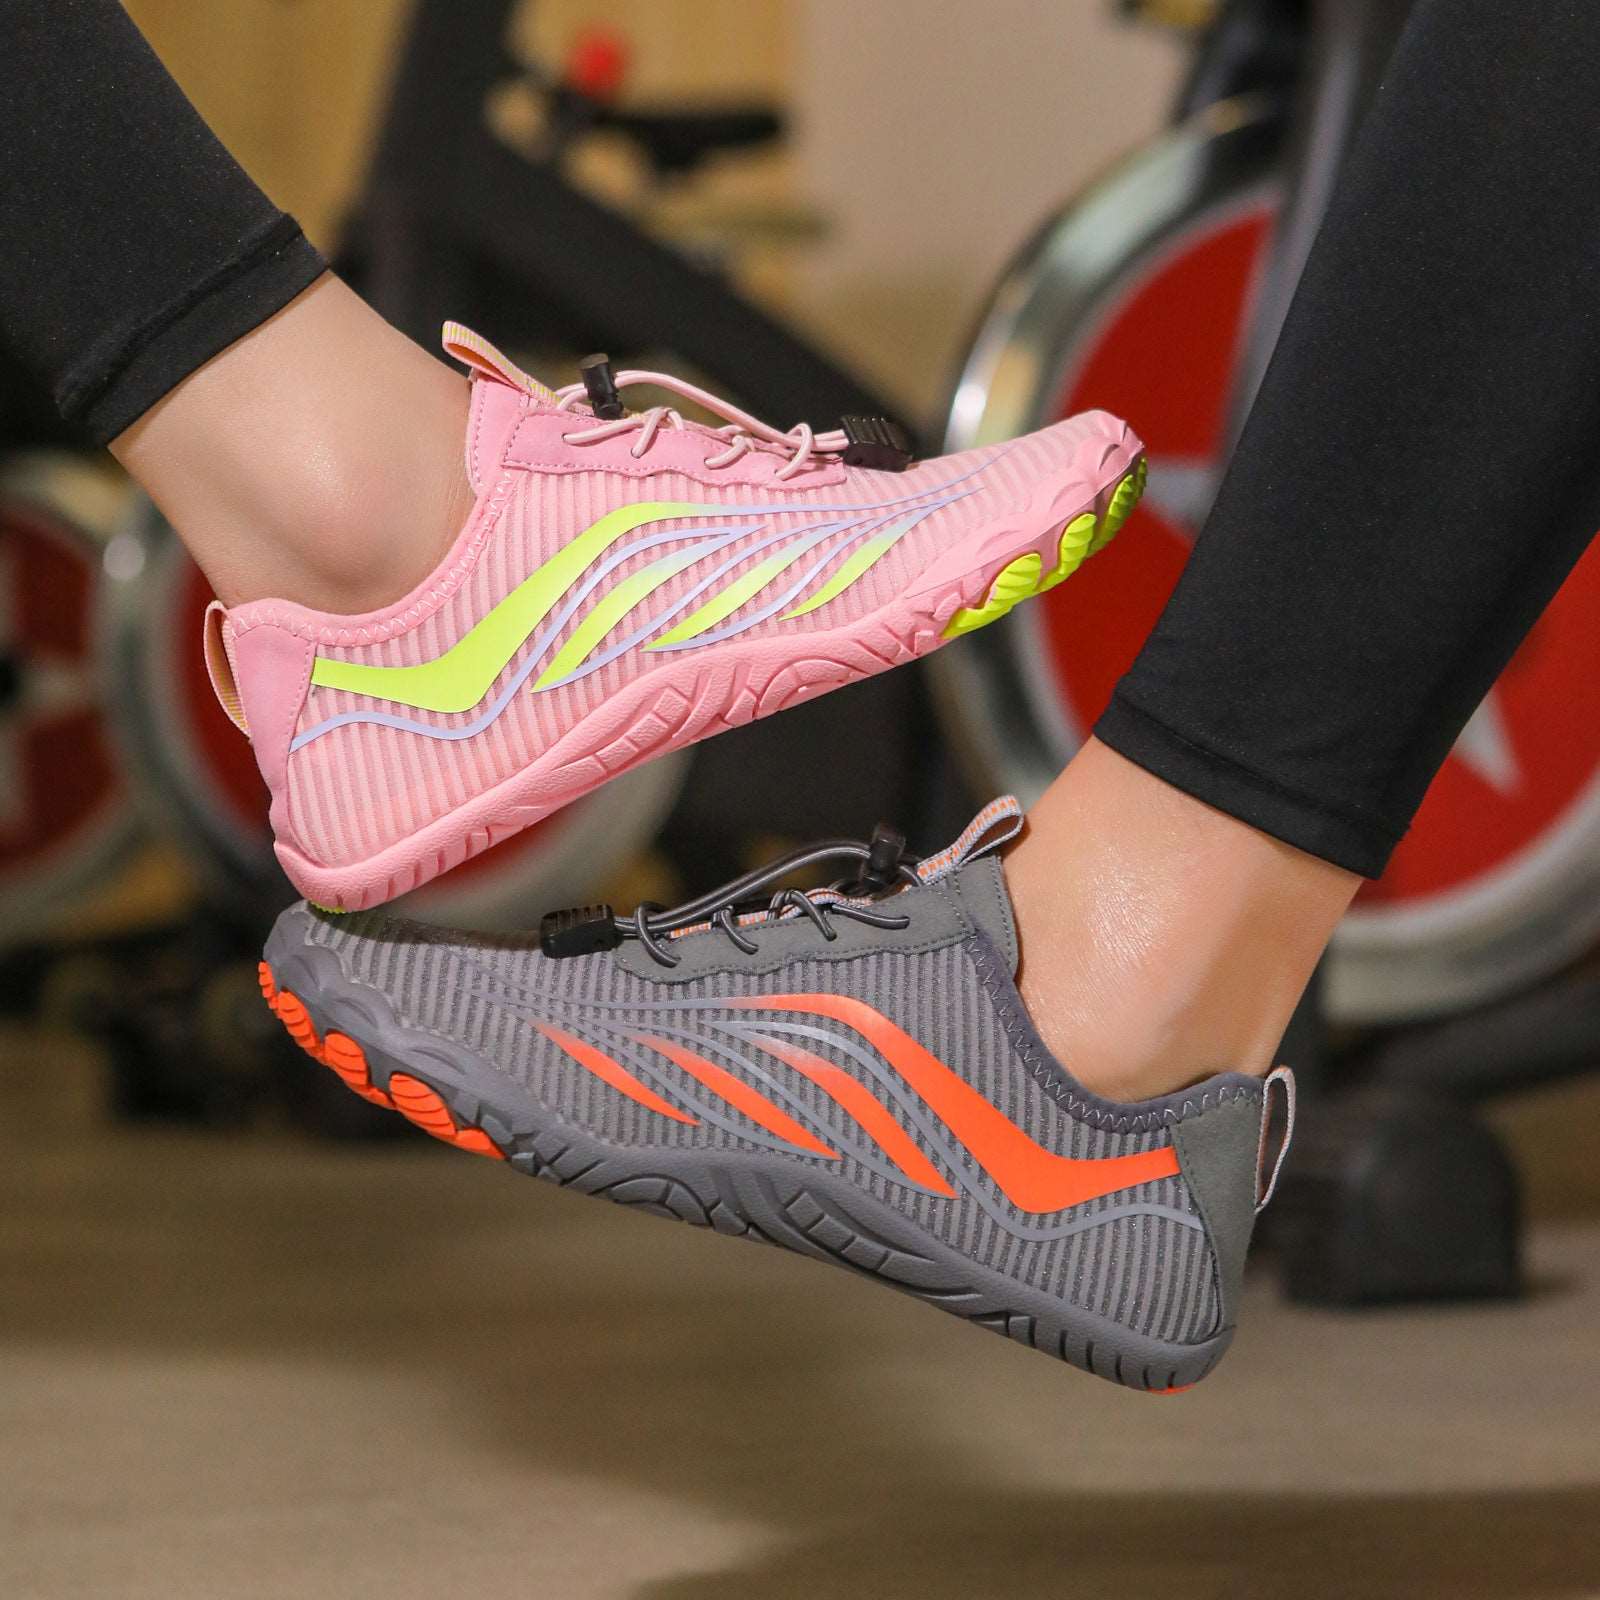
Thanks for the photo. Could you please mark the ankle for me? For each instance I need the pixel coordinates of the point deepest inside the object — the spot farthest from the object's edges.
(359, 534)
(1162, 941)
(318, 459)
(1150, 1039)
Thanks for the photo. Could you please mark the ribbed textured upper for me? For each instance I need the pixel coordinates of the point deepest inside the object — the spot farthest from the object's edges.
(358, 789)
(1139, 1256)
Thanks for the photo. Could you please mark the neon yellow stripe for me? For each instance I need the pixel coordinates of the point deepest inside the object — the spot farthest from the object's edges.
(609, 612)
(727, 601)
(860, 560)
(459, 679)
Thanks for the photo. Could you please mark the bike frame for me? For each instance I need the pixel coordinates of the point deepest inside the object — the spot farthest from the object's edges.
(453, 222)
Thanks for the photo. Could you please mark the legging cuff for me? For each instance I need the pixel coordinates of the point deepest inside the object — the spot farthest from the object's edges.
(131, 368)
(1356, 843)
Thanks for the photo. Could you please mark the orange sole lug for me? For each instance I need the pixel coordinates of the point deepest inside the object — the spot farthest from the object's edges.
(412, 1098)
(425, 1107)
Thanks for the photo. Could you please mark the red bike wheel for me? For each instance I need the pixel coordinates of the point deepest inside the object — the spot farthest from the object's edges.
(65, 817)
(1498, 882)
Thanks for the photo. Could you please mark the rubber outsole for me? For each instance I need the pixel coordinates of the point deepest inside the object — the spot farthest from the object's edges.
(462, 1101)
(1085, 535)
(730, 686)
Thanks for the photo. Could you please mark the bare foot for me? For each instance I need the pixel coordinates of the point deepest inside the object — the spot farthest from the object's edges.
(317, 459)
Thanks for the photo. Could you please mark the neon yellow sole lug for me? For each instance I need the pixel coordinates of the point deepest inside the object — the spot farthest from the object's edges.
(1015, 582)
(1081, 538)
(1123, 499)
(1076, 541)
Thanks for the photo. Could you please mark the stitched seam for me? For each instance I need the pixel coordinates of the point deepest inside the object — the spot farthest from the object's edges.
(524, 404)
(1102, 1116)
(1355, 816)
(1198, 1202)
(993, 892)
(477, 429)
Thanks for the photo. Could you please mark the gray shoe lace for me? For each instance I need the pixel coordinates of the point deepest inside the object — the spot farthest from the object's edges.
(883, 866)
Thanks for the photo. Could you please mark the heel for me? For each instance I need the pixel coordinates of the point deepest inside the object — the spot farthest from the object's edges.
(261, 674)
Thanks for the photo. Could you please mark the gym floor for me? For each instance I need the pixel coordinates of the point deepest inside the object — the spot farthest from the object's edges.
(263, 1367)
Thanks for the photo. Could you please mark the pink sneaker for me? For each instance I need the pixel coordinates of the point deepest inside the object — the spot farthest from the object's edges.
(626, 584)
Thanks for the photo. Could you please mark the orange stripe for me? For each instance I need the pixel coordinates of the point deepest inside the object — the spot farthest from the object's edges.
(614, 1073)
(865, 1107)
(739, 1095)
(1029, 1176)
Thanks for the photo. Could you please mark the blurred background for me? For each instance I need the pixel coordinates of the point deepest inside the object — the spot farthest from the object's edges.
(257, 1338)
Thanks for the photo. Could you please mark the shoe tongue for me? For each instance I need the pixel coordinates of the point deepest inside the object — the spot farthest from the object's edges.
(972, 864)
(499, 387)
(982, 885)
(495, 412)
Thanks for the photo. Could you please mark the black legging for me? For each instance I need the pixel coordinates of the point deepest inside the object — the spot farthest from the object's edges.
(1420, 471)
(1421, 468)
(133, 247)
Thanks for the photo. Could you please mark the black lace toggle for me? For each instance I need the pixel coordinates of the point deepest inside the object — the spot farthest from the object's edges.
(600, 384)
(876, 442)
(884, 857)
(581, 931)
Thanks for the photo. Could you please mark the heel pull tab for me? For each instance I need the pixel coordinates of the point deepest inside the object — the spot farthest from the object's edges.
(1265, 1192)
(219, 666)
(474, 351)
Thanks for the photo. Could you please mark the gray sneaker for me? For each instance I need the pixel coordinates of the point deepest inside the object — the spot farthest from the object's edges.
(848, 1072)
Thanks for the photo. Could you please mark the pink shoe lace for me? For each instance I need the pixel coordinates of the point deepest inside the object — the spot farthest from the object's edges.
(742, 433)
